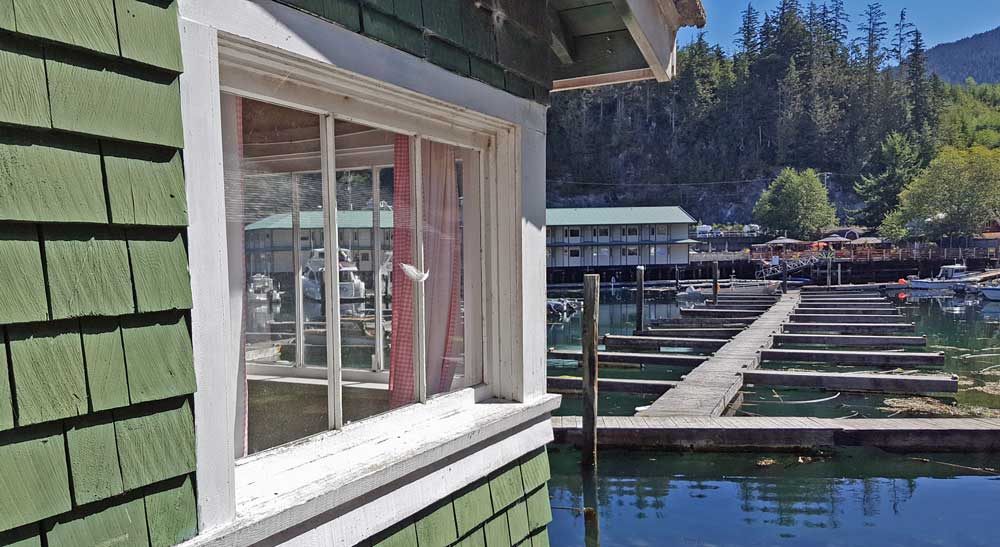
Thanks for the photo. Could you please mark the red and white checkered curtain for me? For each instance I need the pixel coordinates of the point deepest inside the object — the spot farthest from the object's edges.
(401, 373)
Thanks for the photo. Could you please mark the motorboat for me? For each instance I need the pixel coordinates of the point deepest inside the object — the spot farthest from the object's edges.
(991, 293)
(733, 287)
(953, 277)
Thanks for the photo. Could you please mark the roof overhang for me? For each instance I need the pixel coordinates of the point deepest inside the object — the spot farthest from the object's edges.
(618, 41)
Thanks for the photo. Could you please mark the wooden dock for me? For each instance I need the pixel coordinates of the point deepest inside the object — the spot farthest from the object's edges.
(848, 328)
(615, 342)
(709, 388)
(819, 318)
(573, 384)
(880, 383)
(888, 359)
(702, 433)
(716, 332)
(618, 357)
(845, 340)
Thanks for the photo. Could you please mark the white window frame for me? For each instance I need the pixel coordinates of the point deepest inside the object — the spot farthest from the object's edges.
(396, 92)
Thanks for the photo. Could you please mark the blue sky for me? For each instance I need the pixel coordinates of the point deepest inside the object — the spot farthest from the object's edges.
(940, 21)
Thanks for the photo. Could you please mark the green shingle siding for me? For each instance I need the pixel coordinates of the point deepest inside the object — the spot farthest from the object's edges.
(34, 481)
(89, 97)
(93, 459)
(443, 18)
(88, 271)
(404, 537)
(118, 526)
(488, 72)
(477, 31)
(540, 538)
(155, 446)
(89, 24)
(410, 11)
(394, 32)
(160, 270)
(7, 14)
(437, 529)
(535, 470)
(23, 100)
(50, 180)
(506, 488)
(145, 185)
(48, 377)
(171, 514)
(539, 508)
(6, 403)
(475, 539)
(158, 357)
(473, 508)
(28, 536)
(448, 56)
(517, 519)
(22, 298)
(148, 33)
(497, 532)
(105, 360)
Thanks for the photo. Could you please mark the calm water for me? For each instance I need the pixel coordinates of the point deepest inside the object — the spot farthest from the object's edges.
(852, 497)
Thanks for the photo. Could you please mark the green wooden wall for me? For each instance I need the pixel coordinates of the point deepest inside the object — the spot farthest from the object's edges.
(463, 36)
(509, 508)
(96, 419)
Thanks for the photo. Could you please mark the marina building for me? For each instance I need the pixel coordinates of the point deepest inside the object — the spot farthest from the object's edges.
(159, 391)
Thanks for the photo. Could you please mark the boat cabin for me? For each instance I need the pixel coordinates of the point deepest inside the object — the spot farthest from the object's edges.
(165, 384)
(952, 271)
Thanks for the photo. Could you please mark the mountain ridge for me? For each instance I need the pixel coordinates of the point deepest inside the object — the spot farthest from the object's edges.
(976, 57)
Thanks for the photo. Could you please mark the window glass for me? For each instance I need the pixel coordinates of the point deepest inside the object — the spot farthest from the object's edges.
(273, 201)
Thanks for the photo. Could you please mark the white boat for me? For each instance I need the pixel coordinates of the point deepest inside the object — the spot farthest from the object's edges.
(953, 277)
(734, 287)
(991, 293)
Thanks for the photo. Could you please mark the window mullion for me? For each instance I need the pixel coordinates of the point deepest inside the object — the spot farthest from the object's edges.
(419, 317)
(331, 278)
(376, 260)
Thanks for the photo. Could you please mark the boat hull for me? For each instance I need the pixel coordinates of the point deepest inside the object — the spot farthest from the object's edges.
(991, 293)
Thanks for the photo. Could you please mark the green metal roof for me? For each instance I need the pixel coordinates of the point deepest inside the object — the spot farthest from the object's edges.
(313, 220)
(617, 215)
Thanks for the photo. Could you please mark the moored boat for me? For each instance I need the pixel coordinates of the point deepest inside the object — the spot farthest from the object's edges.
(953, 277)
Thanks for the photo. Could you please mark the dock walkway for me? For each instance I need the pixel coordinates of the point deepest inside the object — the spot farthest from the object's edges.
(709, 388)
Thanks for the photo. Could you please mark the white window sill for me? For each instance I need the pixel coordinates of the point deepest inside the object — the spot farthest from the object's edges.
(284, 487)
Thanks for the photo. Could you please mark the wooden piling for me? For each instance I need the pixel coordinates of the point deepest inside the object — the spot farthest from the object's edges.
(591, 303)
(784, 276)
(715, 282)
(640, 298)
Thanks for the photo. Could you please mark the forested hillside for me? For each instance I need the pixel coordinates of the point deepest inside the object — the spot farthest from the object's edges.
(807, 87)
(976, 57)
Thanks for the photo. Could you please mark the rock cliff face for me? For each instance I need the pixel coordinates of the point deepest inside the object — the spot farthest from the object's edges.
(614, 146)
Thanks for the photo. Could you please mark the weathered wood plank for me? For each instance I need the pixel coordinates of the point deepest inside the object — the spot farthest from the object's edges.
(535, 470)
(90, 98)
(854, 310)
(21, 276)
(721, 312)
(387, 29)
(158, 357)
(160, 270)
(869, 358)
(6, 402)
(88, 271)
(437, 527)
(23, 96)
(442, 18)
(636, 358)
(711, 332)
(47, 364)
(172, 514)
(539, 508)
(89, 24)
(517, 520)
(145, 186)
(34, 481)
(7, 15)
(403, 537)
(883, 383)
(819, 318)
(148, 33)
(155, 446)
(571, 383)
(867, 305)
(27, 536)
(506, 487)
(50, 179)
(497, 532)
(119, 525)
(656, 342)
(105, 361)
(93, 459)
(844, 328)
(848, 340)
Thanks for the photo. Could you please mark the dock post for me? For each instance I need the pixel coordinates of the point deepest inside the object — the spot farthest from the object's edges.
(839, 280)
(829, 271)
(591, 302)
(784, 276)
(640, 298)
(715, 282)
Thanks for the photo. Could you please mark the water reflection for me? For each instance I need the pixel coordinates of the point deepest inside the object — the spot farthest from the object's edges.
(858, 497)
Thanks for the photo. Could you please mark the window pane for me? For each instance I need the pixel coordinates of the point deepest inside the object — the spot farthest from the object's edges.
(450, 181)
(275, 237)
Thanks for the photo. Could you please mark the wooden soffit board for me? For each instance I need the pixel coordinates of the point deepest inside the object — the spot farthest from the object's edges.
(603, 42)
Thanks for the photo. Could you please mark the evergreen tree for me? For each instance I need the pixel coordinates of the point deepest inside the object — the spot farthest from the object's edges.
(922, 115)
(897, 164)
(902, 34)
(796, 203)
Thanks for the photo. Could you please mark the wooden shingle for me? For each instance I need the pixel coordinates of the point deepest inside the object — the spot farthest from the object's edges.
(535, 470)
(23, 296)
(437, 528)
(148, 32)
(118, 525)
(89, 24)
(145, 186)
(443, 17)
(539, 508)
(7, 15)
(411, 11)
(88, 97)
(50, 179)
(34, 481)
(105, 361)
(155, 445)
(506, 488)
(475, 539)
(88, 271)
(158, 357)
(473, 508)
(160, 270)
(93, 459)
(517, 519)
(404, 537)
(394, 32)
(27, 536)
(540, 538)
(172, 514)
(47, 363)
(497, 532)
(6, 403)
(23, 98)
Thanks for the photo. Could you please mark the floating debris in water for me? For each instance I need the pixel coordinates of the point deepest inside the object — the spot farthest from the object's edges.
(766, 462)
(928, 406)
